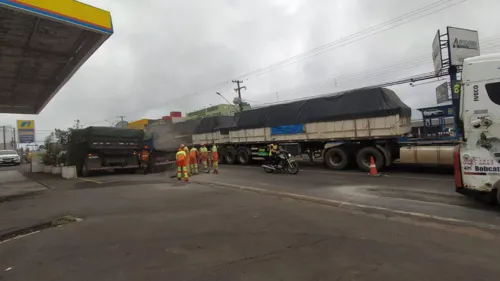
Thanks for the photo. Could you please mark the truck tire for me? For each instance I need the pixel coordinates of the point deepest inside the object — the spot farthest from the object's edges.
(229, 158)
(336, 158)
(243, 156)
(363, 158)
(85, 171)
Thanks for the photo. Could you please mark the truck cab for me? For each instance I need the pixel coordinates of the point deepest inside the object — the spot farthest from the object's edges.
(476, 158)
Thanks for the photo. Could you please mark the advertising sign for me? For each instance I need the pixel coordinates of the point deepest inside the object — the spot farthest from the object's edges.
(480, 166)
(462, 44)
(437, 55)
(26, 131)
(442, 93)
(456, 89)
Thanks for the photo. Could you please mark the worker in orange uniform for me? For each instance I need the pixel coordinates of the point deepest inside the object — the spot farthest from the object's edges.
(188, 166)
(144, 156)
(181, 160)
(215, 158)
(193, 160)
(204, 156)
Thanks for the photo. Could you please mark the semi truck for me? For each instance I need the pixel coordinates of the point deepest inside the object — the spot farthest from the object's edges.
(104, 149)
(344, 130)
(476, 158)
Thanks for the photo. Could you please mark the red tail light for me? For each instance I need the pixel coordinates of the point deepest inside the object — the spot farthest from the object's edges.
(456, 166)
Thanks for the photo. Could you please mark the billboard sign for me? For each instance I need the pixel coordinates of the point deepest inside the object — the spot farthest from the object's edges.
(456, 89)
(462, 44)
(442, 93)
(437, 55)
(26, 131)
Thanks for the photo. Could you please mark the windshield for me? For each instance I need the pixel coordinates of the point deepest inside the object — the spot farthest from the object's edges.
(7, 152)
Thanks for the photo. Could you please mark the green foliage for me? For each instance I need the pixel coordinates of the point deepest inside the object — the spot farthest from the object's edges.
(55, 146)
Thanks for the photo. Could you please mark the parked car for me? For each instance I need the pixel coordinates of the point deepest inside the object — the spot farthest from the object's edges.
(9, 157)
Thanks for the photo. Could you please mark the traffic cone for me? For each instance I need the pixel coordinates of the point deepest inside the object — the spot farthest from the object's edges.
(373, 168)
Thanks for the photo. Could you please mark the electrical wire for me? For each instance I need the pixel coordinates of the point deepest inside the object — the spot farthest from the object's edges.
(417, 61)
(321, 49)
(400, 20)
(409, 79)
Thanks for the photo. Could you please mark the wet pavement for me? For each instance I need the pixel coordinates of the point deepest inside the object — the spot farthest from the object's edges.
(426, 194)
(14, 184)
(137, 227)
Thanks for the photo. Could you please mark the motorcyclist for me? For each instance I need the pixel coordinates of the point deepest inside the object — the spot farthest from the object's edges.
(274, 153)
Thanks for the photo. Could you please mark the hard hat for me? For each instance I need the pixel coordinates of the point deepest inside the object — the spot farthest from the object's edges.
(182, 146)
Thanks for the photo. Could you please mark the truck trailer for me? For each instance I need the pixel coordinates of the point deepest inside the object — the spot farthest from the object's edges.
(343, 129)
(104, 149)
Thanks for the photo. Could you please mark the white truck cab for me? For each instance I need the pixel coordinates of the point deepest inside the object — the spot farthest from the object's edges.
(476, 158)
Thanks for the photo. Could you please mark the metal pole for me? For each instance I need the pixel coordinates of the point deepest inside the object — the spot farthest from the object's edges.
(4, 144)
(455, 104)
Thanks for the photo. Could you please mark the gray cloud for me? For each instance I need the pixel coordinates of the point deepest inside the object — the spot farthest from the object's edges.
(162, 51)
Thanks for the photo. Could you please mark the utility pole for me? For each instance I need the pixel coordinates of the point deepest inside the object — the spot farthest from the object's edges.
(4, 144)
(77, 124)
(14, 138)
(238, 90)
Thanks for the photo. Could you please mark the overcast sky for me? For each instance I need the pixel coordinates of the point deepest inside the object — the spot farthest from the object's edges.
(164, 52)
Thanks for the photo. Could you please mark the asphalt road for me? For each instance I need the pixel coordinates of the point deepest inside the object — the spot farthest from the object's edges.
(138, 227)
(427, 194)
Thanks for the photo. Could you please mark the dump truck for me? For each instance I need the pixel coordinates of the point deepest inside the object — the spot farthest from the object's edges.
(343, 130)
(104, 149)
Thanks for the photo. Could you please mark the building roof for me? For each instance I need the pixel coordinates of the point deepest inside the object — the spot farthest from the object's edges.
(42, 44)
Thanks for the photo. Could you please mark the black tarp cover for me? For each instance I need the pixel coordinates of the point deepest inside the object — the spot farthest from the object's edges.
(363, 103)
(108, 133)
(215, 123)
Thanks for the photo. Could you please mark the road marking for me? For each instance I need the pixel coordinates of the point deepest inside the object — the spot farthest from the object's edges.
(340, 204)
(92, 181)
(362, 174)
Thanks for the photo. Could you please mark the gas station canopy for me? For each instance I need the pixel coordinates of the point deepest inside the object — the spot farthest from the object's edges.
(42, 44)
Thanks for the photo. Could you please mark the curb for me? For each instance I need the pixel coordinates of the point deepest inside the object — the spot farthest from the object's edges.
(30, 177)
(352, 206)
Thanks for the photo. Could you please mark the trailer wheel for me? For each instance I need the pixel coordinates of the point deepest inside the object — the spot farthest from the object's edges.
(336, 158)
(85, 171)
(243, 157)
(363, 158)
(229, 157)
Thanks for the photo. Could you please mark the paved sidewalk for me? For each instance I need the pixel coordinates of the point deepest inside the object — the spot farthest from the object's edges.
(14, 183)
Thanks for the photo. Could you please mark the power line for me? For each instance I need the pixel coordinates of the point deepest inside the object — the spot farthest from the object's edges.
(400, 20)
(414, 78)
(417, 61)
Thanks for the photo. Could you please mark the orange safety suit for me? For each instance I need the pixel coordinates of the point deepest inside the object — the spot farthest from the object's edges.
(193, 160)
(181, 160)
(144, 155)
(215, 159)
(188, 166)
(204, 157)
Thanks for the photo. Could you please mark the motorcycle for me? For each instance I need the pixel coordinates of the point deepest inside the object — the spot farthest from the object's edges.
(286, 163)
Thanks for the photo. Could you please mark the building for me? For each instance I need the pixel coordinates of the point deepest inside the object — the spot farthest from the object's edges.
(216, 110)
(175, 116)
(140, 124)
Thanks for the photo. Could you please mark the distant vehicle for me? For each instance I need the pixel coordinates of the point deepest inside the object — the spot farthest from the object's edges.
(9, 157)
(433, 112)
(104, 149)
